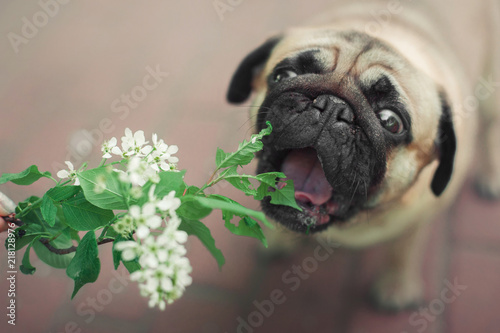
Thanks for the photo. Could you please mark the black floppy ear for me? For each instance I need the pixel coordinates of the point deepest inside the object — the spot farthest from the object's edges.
(446, 143)
(241, 83)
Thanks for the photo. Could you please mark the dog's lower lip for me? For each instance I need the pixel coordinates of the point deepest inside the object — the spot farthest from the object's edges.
(319, 214)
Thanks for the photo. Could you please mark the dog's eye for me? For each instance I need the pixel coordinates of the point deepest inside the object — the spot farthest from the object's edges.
(284, 74)
(391, 121)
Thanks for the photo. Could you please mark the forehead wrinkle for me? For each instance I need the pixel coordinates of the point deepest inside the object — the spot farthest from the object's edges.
(326, 56)
(347, 74)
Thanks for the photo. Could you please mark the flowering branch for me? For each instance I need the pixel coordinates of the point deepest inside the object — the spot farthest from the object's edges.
(142, 205)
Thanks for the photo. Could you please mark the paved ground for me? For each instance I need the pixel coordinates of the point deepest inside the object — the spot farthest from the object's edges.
(67, 78)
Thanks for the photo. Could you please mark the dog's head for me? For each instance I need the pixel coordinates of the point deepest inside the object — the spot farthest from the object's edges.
(354, 123)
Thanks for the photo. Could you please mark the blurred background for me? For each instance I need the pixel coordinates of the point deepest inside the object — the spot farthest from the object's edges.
(79, 76)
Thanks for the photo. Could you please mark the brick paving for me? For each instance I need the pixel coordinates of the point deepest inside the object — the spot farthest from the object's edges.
(65, 79)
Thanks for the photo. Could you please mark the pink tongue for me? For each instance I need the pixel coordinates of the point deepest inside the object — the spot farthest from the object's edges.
(311, 186)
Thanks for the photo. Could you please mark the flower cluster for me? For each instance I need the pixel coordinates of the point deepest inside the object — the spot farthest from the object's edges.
(144, 160)
(164, 273)
(159, 155)
(159, 248)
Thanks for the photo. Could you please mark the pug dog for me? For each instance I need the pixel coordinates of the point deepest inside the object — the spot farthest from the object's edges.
(376, 109)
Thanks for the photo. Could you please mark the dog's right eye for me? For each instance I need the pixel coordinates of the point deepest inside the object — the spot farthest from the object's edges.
(391, 121)
(280, 75)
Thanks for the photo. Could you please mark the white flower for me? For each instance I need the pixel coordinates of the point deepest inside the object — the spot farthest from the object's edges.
(159, 145)
(145, 218)
(157, 161)
(132, 144)
(169, 203)
(100, 184)
(161, 156)
(107, 146)
(71, 173)
(170, 151)
(129, 250)
(139, 172)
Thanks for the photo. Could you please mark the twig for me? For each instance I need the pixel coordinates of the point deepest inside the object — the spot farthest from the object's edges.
(45, 241)
(12, 219)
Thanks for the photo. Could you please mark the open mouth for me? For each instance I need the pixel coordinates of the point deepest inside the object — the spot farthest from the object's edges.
(313, 193)
(321, 204)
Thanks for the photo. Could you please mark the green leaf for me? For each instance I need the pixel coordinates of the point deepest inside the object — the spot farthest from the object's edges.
(85, 266)
(111, 197)
(245, 152)
(244, 182)
(25, 208)
(49, 210)
(132, 265)
(191, 209)
(26, 267)
(26, 177)
(117, 255)
(52, 259)
(110, 233)
(220, 155)
(170, 181)
(60, 193)
(267, 186)
(82, 215)
(228, 205)
(247, 227)
(285, 196)
(201, 231)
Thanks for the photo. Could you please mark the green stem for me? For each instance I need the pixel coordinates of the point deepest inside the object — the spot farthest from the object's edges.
(211, 181)
(104, 230)
(66, 182)
(55, 180)
(54, 236)
(30, 207)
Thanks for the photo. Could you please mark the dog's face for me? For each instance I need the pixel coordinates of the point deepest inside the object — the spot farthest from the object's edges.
(354, 124)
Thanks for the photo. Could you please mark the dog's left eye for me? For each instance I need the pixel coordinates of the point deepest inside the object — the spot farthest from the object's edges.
(284, 74)
(391, 121)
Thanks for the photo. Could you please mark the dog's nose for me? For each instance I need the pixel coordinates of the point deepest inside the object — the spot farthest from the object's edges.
(329, 103)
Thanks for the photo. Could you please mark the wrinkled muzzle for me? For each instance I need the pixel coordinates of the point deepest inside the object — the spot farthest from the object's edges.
(319, 144)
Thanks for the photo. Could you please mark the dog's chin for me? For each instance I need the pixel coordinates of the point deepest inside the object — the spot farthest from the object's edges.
(322, 206)
(311, 219)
